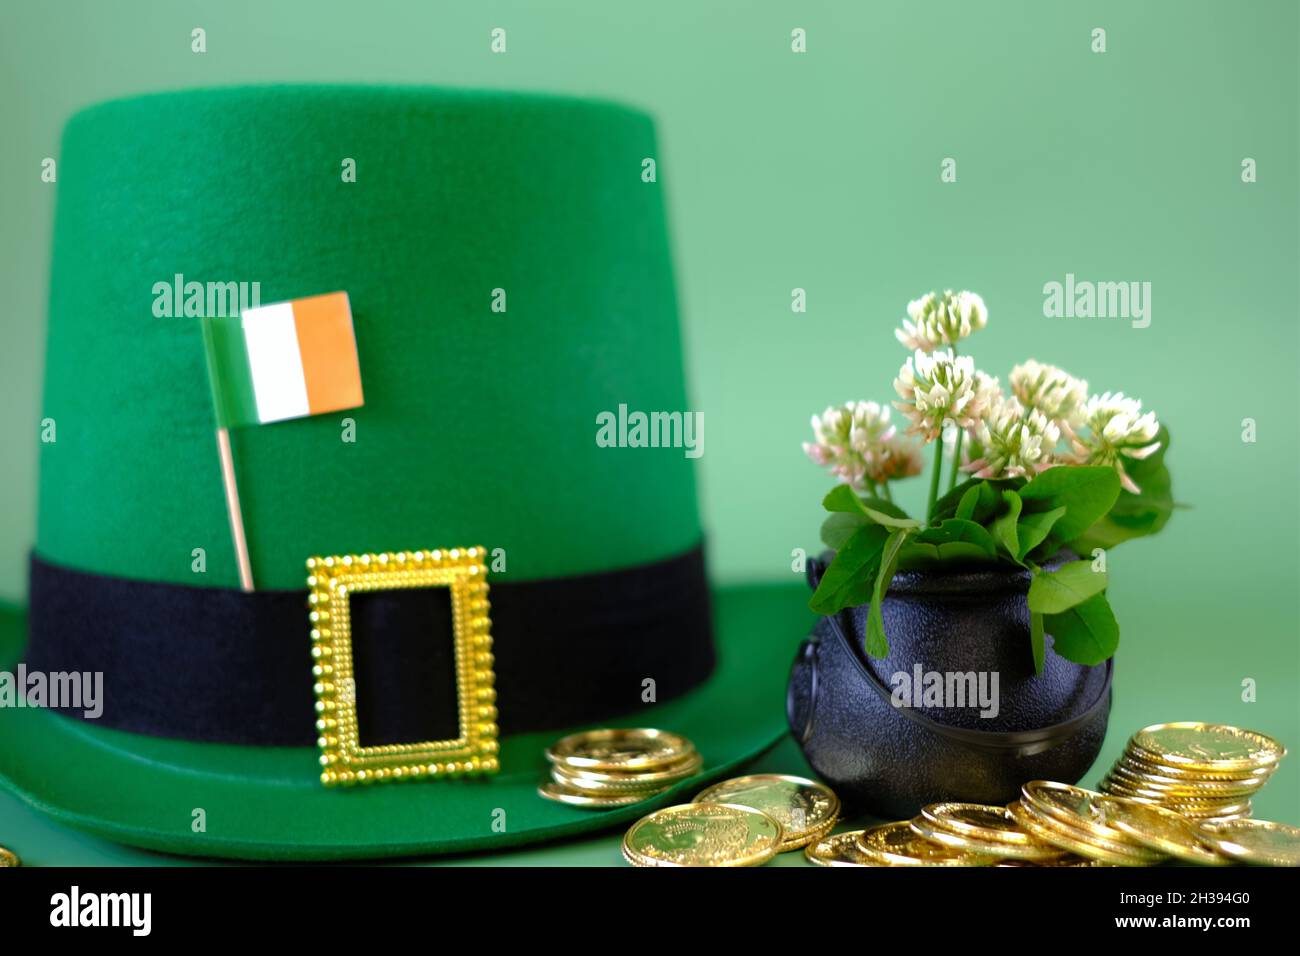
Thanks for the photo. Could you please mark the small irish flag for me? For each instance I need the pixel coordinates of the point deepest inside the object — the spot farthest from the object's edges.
(281, 361)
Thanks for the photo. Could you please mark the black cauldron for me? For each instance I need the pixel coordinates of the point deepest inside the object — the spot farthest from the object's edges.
(889, 751)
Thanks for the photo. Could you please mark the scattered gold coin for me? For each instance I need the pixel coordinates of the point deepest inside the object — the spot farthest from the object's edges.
(9, 858)
(1158, 829)
(897, 844)
(703, 834)
(980, 829)
(1072, 810)
(1062, 801)
(839, 850)
(1256, 841)
(805, 809)
(1080, 841)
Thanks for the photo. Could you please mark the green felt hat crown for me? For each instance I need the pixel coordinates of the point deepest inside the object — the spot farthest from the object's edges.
(428, 207)
(481, 426)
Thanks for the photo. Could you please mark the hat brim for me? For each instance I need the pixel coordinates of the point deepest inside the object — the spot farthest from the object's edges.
(266, 803)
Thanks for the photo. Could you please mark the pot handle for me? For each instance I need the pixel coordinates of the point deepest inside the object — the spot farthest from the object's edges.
(1020, 743)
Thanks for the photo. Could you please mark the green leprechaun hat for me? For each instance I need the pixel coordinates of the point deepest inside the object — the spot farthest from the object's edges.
(510, 315)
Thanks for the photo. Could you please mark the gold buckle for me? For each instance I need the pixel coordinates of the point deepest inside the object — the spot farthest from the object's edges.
(332, 580)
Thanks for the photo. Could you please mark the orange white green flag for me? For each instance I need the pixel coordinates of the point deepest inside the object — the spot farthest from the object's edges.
(282, 361)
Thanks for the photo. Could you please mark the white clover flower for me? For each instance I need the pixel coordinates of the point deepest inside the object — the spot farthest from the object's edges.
(1056, 393)
(941, 320)
(937, 391)
(1014, 442)
(1117, 429)
(899, 458)
(858, 443)
(988, 391)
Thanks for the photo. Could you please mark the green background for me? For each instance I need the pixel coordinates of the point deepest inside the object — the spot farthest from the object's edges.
(821, 171)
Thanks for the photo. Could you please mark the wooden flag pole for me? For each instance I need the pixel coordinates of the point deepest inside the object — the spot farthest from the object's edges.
(232, 507)
(227, 460)
(276, 362)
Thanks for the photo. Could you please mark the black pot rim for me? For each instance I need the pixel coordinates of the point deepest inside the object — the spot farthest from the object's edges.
(972, 578)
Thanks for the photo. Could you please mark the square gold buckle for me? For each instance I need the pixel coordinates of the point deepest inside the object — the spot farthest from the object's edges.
(331, 581)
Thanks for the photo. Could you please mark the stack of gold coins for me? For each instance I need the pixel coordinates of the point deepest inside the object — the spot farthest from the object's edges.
(1069, 818)
(1180, 791)
(806, 810)
(602, 769)
(983, 831)
(943, 834)
(1057, 825)
(703, 834)
(1205, 772)
(8, 858)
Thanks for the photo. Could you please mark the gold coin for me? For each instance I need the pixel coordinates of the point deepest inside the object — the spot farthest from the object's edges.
(605, 790)
(1090, 830)
(1069, 803)
(703, 834)
(1202, 811)
(560, 793)
(9, 858)
(1148, 766)
(1127, 789)
(991, 824)
(1079, 842)
(1158, 829)
(1225, 818)
(1200, 746)
(1123, 788)
(1189, 784)
(1207, 799)
(1256, 841)
(1029, 849)
(1079, 845)
(609, 750)
(839, 850)
(628, 782)
(805, 809)
(1074, 807)
(897, 844)
(1142, 765)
